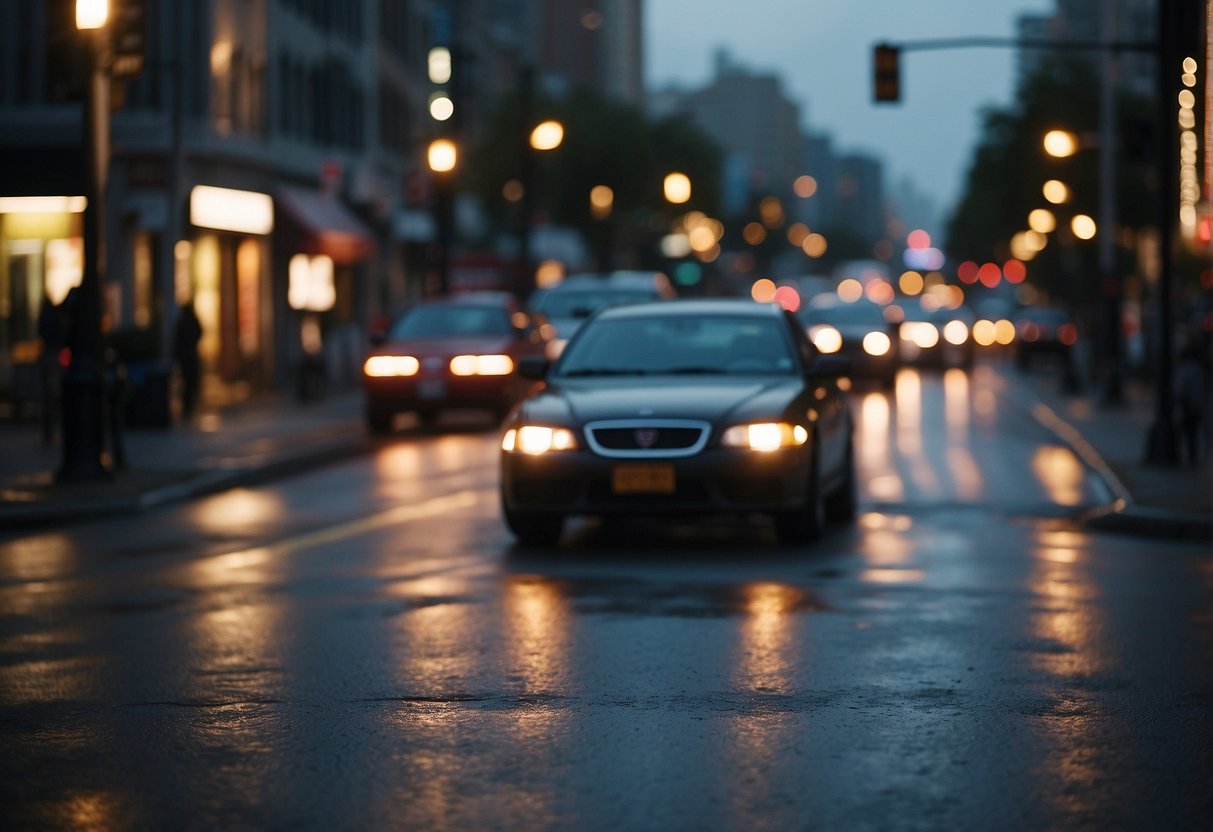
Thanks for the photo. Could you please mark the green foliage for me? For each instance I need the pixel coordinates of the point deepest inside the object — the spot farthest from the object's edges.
(606, 142)
(1009, 168)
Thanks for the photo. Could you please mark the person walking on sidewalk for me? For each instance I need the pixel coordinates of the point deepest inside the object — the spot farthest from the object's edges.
(1191, 386)
(186, 335)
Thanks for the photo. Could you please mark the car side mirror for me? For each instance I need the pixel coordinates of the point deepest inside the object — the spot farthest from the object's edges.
(534, 367)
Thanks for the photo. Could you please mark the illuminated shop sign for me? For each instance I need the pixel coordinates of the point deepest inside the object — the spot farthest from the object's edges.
(226, 209)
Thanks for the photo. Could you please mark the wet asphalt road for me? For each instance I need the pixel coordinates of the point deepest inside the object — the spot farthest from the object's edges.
(364, 647)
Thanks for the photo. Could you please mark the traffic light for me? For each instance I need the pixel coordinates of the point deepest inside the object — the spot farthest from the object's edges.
(128, 32)
(886, 75)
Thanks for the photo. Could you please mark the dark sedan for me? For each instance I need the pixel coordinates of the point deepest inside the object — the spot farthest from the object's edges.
(452, 353)
(856, 330)
(681, 407)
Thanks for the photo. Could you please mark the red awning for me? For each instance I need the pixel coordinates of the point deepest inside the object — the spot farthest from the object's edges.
(323, 225)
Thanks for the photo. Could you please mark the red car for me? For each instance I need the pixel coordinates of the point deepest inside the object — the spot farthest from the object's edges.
(452, 353)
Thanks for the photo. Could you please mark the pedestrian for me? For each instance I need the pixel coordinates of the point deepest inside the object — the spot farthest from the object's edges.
(186, 335)
(51, 331)
(1191, 388)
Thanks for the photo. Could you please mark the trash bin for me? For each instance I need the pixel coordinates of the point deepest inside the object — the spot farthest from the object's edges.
(148, 394)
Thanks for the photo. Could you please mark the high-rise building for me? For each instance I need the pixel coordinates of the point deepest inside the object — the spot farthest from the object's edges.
(749, 115)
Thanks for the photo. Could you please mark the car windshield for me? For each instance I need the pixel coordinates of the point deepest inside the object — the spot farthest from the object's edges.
(451, 321)
(679, 345)
(843, 313)
(581, 303)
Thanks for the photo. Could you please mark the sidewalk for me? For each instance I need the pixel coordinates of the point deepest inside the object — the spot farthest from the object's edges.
(272, 437)
(1152, 500)
(251, 442)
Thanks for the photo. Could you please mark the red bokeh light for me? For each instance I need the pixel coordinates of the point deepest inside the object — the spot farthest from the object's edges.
(967, 272)
(918, 239)
(989, 274)
(788, 298)
(1014, 271)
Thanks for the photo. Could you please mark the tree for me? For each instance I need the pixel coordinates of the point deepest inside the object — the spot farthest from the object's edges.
(606, 142)
(1009, 169)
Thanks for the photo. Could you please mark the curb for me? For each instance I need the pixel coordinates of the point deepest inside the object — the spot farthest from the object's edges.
(1121, 515)
(37, 513)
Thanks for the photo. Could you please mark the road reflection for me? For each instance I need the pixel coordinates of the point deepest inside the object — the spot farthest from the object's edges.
(1061, 474)
(875, 460)
(1070, 646)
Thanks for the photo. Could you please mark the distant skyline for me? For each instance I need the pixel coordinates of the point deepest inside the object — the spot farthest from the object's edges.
(822, 49)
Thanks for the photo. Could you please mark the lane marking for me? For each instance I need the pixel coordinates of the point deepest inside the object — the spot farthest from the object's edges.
(353, 528)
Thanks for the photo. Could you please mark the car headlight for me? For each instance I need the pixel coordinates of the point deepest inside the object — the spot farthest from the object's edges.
(825, 338)
(876, 343)
(482, 365)
(538, 439)
(764, 436)
(956, 332)
(922, 334)
(387, 366)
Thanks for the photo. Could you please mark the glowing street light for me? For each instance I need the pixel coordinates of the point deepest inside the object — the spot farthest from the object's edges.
(1060, 143)
(92, 14)
(1056, 191)
(602, 200)
(442, 156)
(1083, 227)
(547, 135)
(677, 188)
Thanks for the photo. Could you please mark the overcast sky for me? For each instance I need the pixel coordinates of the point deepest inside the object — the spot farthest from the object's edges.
(822, 50)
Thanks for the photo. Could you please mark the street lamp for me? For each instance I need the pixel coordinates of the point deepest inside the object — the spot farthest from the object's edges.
(677, 188)
(1062, 144)
(442, 156)
(544, 137)
(83, 382)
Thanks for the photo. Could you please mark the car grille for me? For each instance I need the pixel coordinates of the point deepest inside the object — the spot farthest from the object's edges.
(638, 438)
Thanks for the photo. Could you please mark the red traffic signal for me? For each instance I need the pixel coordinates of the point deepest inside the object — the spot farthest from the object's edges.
(886, 73)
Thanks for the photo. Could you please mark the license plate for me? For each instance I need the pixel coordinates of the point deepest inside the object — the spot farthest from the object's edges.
(643, 479)
(430, 389)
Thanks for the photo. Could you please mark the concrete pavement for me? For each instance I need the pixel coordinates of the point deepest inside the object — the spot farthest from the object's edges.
(273, 437)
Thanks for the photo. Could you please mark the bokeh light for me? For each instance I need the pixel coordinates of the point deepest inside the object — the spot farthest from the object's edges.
(1056, 191)
(1083, 227)
(804, 186)
(763, 290)
(911, 283)
(849, 290)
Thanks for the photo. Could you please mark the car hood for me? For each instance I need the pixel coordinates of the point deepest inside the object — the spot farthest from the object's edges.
(471, 345)
(713, 399)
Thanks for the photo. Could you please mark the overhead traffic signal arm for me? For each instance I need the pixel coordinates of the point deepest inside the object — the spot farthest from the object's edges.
(886, 57)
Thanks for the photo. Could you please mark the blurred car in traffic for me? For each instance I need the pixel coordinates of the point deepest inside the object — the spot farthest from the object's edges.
(936, 336)
(1044, 332)
(856, 330)
(567, 304)
(687, 407)
(451, 353)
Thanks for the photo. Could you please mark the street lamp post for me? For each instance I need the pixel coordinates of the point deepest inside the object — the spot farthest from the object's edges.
(84, 381)
(541, 138)
(442, 156)
(1062, 144)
